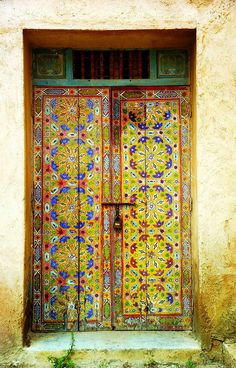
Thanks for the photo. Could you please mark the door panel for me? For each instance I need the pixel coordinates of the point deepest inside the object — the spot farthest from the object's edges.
(86, 274)
(71, 257)
(152, 274)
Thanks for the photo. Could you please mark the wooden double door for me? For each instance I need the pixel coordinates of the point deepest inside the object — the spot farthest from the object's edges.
(111, 247)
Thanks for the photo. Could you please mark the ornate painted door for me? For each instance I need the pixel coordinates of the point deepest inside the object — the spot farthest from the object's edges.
(95, 148)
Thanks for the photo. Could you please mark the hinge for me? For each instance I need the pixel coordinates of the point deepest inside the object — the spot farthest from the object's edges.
(191, 204)
(32, 203)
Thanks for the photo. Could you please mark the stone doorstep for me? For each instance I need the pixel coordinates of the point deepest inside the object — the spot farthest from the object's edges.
(229, 351)
(114, 347)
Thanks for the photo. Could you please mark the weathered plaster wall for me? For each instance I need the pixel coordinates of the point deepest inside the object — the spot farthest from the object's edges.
(214, 157)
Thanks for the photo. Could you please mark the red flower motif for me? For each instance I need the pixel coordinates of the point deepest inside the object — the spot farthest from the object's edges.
(61, 231)
(61, 281)
(133, 262)
(144, 273)
(159, 273)
(133, 248)
(48, 169)
(159, 237)
(169, 263)
(159, 287)
(143, 237)
(61, 183)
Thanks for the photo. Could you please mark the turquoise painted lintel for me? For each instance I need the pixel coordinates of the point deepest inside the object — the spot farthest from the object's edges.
(111, 82)
(69, 64)
(153, 64)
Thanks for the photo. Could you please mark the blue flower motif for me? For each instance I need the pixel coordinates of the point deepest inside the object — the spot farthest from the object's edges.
(81, 176)
(144, 188)
(64, 239)
(65, 176)
(79, 128)
(54, 200)
(65, 190)
(90, 215)
(143, 174)
(90, 117)
(90, 200)
(170, 298)
(53, 299)
(90, 249)
(90, 166)
(54, 151)
(79, 190)
(158, 139)
(158, 174)
(169, 198)
(54, 118)
(159, 223)
(132, 116)
(53, 103)
(169, 164)
(79, 225)
(81, 288)
(157, 126)
(90, 313)
(53, 249)
(90, 103)
(64, 224)
(90, 263)
(54, 215)
(79, 141)
(64, 127)
(169, 213)
(54, 264)
(142, 126)
(132, 150)
(63, 289)
(79, 239)
(64, 141)
(64, 274)
(90, 152)
(158, 188)
(168, 149)
(169, 247)
(143, 139)
(54, 166)
(53, 314)
(167, 115)
(79, 274)
(89, 298)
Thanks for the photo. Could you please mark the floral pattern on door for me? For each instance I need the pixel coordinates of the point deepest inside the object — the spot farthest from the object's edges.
(92, 148)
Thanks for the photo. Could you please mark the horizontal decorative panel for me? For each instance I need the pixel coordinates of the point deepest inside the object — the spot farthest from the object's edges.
(172, 64)
(49, 63)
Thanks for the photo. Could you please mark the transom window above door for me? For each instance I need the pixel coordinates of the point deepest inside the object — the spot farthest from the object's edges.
(150, 67)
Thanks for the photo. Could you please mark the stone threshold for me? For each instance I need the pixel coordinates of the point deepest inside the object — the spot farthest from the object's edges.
(114, 348)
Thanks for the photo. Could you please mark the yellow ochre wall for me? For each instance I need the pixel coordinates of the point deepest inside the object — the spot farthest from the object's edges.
(213, 85)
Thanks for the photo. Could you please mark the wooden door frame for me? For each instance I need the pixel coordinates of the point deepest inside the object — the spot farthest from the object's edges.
(180, 38)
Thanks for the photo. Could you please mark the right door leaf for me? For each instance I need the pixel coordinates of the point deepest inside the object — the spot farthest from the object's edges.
(152, 276)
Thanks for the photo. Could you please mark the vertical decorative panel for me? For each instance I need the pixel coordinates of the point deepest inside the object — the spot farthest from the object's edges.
(153, 291)
(70, 126)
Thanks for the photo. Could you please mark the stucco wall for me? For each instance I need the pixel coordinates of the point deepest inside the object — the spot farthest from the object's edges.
(214, 154)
